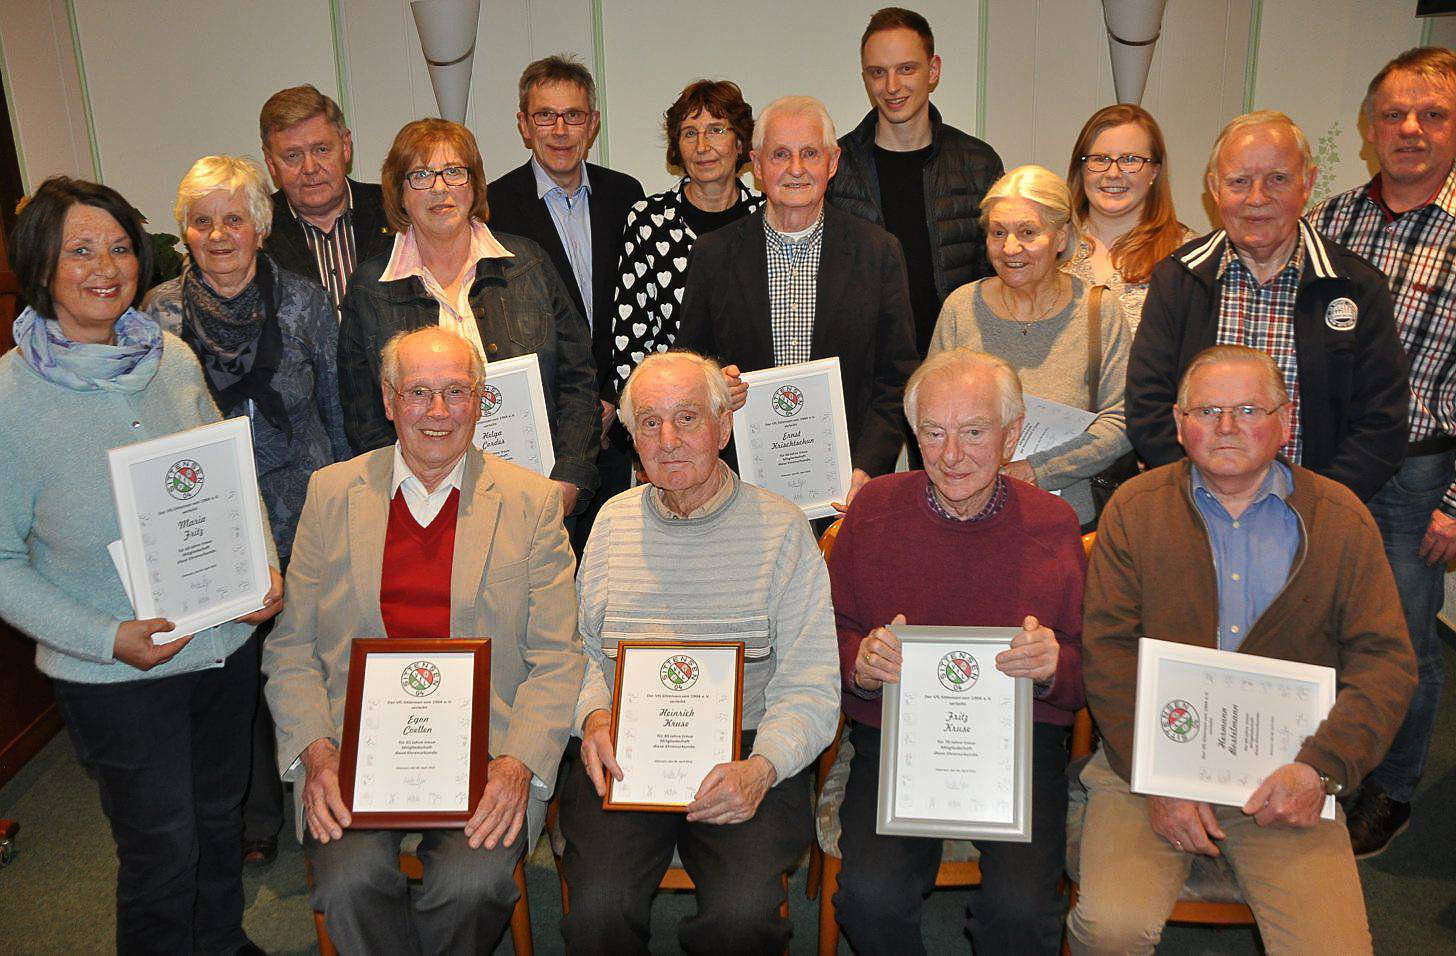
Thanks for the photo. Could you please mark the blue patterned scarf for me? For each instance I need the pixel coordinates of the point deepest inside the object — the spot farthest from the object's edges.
(127, 366)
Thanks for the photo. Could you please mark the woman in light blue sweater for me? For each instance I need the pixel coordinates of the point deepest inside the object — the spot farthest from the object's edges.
(164, 727)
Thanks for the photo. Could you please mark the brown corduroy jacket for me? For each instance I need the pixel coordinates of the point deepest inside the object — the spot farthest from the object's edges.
(1152, 575)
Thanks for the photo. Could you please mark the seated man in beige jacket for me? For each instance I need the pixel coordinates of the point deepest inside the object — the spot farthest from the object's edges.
(427, 538)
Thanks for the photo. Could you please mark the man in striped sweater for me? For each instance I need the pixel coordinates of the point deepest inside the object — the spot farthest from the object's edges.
(698, 555)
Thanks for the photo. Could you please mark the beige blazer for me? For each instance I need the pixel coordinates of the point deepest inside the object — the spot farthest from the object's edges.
(511, 581)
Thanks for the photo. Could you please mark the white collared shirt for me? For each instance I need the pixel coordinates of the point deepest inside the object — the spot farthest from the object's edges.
(424, 505)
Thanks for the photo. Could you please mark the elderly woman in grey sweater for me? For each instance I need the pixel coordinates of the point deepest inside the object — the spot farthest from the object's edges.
(1039, 319)
(164, 726)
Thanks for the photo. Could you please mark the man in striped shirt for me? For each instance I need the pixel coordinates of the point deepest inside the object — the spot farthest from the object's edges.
(324, 223)
(1404, 222)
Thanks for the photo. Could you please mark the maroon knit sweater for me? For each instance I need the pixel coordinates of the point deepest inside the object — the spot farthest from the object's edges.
(414, 592)
(895, 555)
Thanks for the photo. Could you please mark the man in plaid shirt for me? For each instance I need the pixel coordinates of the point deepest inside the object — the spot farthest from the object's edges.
(1404, 222)
(1269, 281)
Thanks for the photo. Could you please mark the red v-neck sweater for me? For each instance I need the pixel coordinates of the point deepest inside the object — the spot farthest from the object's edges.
(414, 590)
(895, 555)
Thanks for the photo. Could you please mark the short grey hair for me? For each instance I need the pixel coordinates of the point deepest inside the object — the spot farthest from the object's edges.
(961, 361)
(1044, 188)
(1255, 120)
(712, 372)
(795, 106)
(389, 355)
(557, 68)
(1224, 354)
(229, 174)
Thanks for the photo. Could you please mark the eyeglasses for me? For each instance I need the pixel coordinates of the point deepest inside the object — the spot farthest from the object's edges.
(1243, 414)
(1128, 162)
(425, 178)
(549, 117)
(717, 132)
(420, 396)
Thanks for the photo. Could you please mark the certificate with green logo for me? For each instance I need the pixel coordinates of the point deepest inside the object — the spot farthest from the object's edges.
(677, 709)
(192, 541)
(416, 732)
(791, 434)
(955, 739)
(513, 423)
(1210, 725)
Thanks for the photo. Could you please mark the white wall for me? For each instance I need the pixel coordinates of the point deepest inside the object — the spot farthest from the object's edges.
(150, 85)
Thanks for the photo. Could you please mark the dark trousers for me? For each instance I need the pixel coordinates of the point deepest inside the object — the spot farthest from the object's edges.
(263, 799)
(1402, 510)
(614, 464)
(462, 906)
(885, 879)
(615, 858)
(171, 757)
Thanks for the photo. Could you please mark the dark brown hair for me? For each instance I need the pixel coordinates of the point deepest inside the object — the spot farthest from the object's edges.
(1159, 232)
(898, 18)
(40, 229)
(412, 146)
(724, 100)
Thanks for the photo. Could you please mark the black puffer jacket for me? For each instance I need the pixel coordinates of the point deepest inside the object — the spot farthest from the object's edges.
(960, 170)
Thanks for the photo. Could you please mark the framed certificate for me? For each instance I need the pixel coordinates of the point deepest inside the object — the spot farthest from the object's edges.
(513, 423)
(416, 732)
(955, 739)
(1211, 725)
(677, 709)
(791, 434)
(192, 540)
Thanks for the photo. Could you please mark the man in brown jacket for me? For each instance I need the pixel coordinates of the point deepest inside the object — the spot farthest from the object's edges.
(1235, 549)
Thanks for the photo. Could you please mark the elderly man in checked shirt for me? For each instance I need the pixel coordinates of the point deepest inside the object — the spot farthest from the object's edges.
(1269, 281)
(1404, 222)
(799, 280)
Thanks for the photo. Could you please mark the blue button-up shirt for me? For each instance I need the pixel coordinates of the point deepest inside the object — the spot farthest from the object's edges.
(571, 214)
(1252, 554)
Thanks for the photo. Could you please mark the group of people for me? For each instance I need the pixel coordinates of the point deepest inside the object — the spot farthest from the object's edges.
(1286, 383)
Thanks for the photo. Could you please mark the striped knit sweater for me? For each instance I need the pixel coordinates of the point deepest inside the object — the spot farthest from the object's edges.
(748, 571)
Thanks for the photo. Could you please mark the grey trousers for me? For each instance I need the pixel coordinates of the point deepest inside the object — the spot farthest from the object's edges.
(462, 906)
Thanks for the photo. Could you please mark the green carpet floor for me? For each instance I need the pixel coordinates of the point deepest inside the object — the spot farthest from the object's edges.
(58, 894)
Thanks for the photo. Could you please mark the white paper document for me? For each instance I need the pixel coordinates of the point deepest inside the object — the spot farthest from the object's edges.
(791, 434)
(192, 534)
(513, 423)
(414, 733)
(1049, 424)
(674, 721)
(1211, 725)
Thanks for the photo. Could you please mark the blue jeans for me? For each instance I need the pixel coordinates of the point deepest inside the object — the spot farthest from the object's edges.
(171, 756)
(1402, 510)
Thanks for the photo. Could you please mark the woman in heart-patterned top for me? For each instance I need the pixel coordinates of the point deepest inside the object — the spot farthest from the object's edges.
(709, 129)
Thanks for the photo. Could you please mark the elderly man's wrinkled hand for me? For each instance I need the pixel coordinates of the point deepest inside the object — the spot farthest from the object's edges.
(569, 494)
(597, 754)
(1033, 653)
(501, 812)
(877, 662)
(1292, 796)
(1438, 544)
(731, 792)
(737, 388)
(323, 804)
(1188, 825)
(272, 601)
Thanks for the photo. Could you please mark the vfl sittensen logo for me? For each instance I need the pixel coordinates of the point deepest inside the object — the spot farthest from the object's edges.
(678, 672)
(958, 671)
(787, 400)
(490, 400)
(1179, 721)
(420, 679)
(184, 479)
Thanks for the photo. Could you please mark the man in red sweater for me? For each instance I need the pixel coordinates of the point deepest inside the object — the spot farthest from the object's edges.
(958, 544)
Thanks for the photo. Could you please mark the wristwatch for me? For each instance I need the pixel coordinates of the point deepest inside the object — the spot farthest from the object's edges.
(1331, 786)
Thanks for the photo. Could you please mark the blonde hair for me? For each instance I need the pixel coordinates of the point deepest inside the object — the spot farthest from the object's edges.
(229, 174)
(1047, 190)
